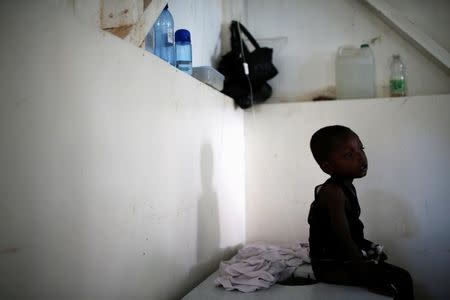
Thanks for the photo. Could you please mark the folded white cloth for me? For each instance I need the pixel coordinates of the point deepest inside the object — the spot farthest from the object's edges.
(260, 265)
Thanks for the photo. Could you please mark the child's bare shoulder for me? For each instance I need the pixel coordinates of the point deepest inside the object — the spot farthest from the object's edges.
(331, 194)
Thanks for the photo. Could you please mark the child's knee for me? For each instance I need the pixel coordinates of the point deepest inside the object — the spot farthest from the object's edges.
(406, 277)
(401, 276)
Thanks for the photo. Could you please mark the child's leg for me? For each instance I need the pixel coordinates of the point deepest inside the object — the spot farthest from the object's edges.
(342, 273)
(380, 278)
(384, 274)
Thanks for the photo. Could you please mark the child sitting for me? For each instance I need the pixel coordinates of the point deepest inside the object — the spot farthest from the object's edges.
(339, 252)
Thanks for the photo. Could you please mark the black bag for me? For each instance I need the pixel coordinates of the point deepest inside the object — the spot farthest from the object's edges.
(237, 84)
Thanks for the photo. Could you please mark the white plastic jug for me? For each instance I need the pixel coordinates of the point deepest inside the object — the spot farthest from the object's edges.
(355, 73)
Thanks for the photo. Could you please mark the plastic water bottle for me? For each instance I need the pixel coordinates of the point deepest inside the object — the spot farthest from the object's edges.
(397, 81)
(183, 50)
(160, 39)
(150, 40)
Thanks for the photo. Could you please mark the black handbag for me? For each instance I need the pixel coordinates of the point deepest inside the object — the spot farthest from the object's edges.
(252, 88)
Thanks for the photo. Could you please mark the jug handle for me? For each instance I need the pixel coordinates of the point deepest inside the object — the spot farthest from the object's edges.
(346, 47)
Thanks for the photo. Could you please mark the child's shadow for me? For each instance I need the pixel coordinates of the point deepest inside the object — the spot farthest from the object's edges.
(209, 253)
(208, 222)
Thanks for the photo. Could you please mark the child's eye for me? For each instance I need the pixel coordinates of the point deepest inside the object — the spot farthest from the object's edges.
(348, 155)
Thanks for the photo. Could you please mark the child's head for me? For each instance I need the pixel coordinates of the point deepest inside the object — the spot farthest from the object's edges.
(339, 152)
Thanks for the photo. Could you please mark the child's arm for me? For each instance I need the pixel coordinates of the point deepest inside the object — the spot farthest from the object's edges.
(334, 200)
(366, 244)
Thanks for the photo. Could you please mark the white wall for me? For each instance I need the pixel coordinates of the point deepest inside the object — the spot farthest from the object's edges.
(116, 183)
(404, 197)
(306, 34)
(430, 16)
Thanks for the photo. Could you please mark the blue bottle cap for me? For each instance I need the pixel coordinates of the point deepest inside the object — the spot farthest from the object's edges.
(182, 35)
(166, 7)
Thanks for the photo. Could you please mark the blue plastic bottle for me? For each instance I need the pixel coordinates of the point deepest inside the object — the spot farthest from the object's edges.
(160, 39)
(183, 50)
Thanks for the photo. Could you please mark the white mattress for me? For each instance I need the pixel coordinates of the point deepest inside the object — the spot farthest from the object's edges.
(207, 291)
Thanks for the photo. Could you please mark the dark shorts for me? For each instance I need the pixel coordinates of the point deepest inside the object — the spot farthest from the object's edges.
(382, 278)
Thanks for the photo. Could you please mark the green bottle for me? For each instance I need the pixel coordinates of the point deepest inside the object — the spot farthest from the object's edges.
(397, 81)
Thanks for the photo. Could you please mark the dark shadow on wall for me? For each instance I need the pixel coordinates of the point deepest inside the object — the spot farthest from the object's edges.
(209, 253)
(208, 223)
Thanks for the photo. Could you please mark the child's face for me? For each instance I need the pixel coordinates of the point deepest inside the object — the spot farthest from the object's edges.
(347, 159)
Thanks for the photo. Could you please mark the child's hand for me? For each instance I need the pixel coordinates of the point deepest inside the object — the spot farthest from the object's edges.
(380, 253)
(375, 253)
(382, 257)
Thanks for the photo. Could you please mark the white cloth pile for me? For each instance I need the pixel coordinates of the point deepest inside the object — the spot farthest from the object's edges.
(257, 266)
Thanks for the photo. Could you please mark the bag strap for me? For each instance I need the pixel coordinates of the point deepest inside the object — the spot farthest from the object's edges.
(236, 30)
(235, 39)
(242, 29)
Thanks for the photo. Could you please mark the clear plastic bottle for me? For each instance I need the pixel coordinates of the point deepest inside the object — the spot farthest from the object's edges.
(160, 39)
(397, 82)
(150, 40)
(183, 50)
(355, 73)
